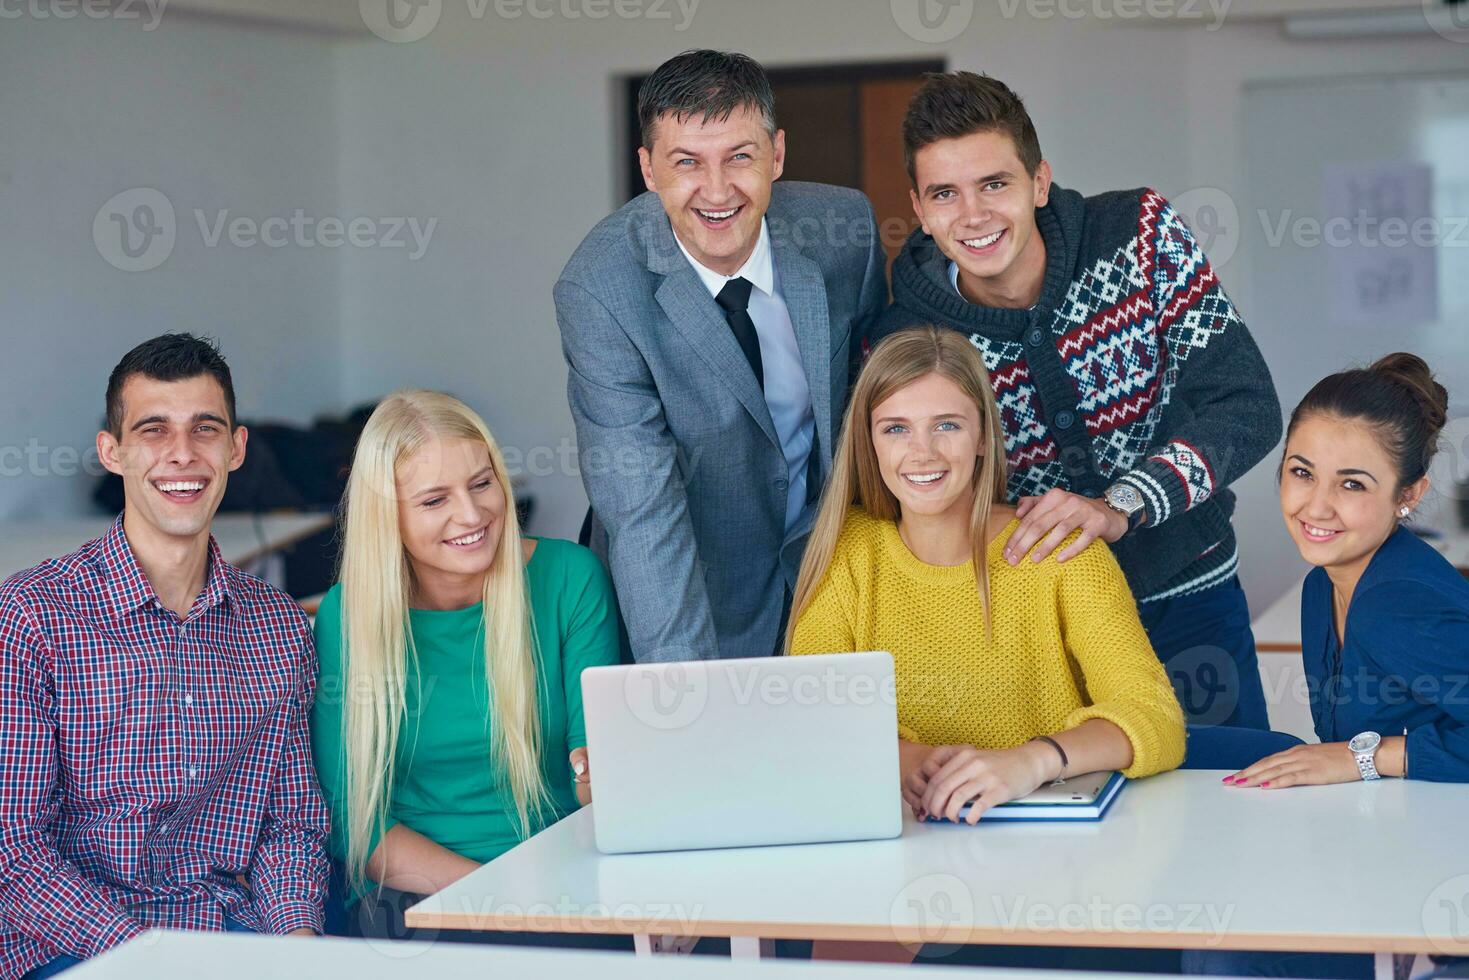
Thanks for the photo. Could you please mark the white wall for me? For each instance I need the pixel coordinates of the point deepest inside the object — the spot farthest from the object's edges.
(215, 116)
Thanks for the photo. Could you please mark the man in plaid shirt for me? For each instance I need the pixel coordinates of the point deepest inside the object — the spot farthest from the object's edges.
(155, 764)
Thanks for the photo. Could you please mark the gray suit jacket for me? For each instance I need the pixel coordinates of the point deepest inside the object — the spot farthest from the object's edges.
(678, 452)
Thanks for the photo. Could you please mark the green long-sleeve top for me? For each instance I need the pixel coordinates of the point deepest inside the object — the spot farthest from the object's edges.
(446, 786)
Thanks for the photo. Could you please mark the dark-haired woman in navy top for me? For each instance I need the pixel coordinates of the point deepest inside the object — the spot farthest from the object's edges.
(1404, 670)
(1384, 617)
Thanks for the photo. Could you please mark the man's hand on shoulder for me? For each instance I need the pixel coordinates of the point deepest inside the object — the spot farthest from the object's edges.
(1049, 518)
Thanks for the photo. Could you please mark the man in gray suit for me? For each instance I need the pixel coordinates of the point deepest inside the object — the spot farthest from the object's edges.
(710, 328)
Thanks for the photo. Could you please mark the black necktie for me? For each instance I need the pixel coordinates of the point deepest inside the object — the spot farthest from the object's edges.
(734, 299)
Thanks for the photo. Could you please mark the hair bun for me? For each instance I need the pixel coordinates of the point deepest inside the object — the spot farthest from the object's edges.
(1412, 372)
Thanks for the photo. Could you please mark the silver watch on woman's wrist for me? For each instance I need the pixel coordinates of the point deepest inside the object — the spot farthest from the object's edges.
(1125, 500)
(1364, 747)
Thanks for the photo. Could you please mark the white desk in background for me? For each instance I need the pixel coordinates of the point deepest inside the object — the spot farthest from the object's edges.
(1181, 861)
(238, 956)
(242, 538)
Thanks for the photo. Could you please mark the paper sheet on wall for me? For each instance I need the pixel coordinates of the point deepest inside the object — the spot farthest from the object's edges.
(1380, 236)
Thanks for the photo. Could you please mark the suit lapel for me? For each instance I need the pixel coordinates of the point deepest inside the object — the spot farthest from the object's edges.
(801, 284)
(691, 309)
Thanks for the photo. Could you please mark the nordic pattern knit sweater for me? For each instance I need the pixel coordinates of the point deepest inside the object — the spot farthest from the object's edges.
(1066, 644)
(1133, 329)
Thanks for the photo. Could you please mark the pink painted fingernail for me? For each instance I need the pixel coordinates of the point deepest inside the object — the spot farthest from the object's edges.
(1227, 779)
(1265, 783)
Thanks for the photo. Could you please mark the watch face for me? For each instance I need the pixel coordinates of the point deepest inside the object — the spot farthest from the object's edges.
(1124, 497)
(1365, 742)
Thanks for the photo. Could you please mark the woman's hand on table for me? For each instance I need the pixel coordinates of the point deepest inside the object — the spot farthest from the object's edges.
(1301, 765)
(954, 775)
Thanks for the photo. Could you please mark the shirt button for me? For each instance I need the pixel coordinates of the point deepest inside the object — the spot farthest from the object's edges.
(782, 484)
(188, 699)
(1036, 337)
(1064, 418)
(193, 772)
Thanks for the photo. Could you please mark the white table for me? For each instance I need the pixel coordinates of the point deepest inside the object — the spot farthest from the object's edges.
(24, 543)
(235, 956)
(1181, 861)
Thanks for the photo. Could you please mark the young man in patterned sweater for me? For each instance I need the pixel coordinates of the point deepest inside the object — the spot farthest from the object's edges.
(1131, 392)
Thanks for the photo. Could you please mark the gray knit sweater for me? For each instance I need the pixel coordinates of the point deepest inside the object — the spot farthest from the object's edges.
(1133, 366)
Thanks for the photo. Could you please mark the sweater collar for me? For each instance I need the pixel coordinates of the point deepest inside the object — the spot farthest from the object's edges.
(914, 567)
(921, 273)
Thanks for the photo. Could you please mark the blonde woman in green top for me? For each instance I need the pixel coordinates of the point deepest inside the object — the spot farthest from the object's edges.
(448, 722)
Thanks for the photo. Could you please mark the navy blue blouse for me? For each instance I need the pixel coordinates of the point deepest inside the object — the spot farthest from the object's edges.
(1405, 666)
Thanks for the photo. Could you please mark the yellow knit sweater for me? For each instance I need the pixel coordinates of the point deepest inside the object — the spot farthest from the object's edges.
(1067, 644)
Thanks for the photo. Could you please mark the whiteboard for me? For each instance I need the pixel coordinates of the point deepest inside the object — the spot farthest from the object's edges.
(1310, 146)
(1297, 135)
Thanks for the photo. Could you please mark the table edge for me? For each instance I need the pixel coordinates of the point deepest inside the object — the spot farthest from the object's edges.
(977, 935)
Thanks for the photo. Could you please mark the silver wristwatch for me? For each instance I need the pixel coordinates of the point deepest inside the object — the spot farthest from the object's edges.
(1125, 500)
(1364, 747)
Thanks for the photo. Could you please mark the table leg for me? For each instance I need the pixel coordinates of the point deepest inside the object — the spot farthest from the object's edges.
(1406, 964)
(642, 944)
(750, 948)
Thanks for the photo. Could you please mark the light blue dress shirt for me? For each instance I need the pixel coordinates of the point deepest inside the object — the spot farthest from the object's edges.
(787, 392)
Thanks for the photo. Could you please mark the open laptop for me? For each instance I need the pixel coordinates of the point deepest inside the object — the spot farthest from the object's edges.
(734, 753)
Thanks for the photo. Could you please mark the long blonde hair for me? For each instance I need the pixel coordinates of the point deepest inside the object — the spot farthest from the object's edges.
(896, 362)
(377, 644)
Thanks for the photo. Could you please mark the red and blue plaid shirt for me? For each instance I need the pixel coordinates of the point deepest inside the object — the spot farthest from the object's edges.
(146, 760)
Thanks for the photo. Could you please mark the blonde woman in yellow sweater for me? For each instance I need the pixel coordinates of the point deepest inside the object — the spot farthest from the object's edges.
(1007, 677)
